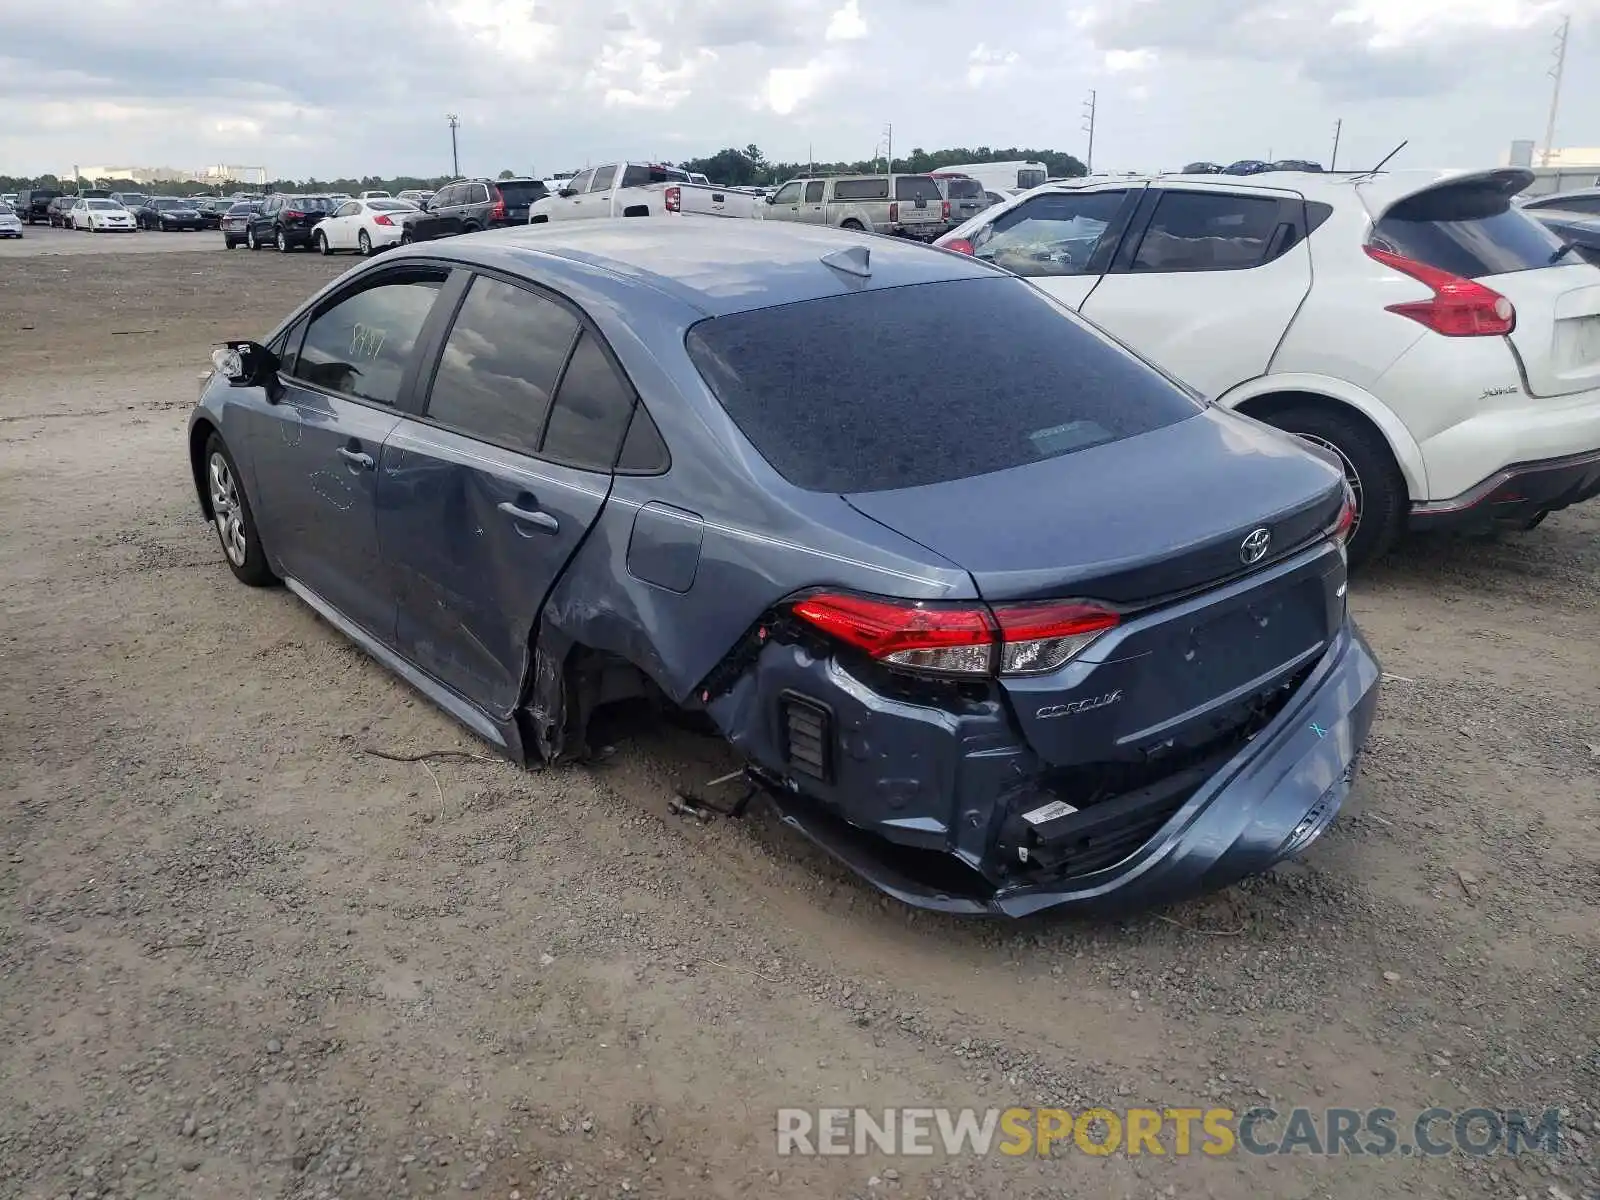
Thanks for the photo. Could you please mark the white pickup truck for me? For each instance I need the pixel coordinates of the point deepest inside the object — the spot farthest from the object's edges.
(641, 190)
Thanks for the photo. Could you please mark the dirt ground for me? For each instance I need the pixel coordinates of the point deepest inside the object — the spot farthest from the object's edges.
(241, 957)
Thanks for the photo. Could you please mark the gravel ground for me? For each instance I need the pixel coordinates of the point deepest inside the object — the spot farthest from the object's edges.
(240, 956)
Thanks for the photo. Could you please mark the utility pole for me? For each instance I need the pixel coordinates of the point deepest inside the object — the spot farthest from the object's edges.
(455, 159)
(1555, 93)
(1333, 159)
(1089, 106)
(888, 155)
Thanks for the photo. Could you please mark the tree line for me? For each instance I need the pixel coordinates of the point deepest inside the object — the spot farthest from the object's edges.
(732, 166)
(736, 167)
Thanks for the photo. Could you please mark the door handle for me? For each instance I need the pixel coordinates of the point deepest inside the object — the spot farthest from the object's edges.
(542, 521)
(356, 458)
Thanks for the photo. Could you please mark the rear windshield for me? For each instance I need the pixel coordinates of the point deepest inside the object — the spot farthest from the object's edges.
(240, 209)
(390, 205)
(916, 187)
(1469, 231)
(310, 203)
(162, 202)
(1030, 177)
(522, 191)
(868, 392)
(964, 189)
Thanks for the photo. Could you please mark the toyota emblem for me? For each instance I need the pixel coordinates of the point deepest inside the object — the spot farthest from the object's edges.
(1254, 547)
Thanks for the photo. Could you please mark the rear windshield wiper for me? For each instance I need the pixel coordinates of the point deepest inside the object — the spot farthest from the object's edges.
(1561, 252)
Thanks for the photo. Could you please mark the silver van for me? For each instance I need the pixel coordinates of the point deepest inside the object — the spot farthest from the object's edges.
(966, 195)
(908, 205)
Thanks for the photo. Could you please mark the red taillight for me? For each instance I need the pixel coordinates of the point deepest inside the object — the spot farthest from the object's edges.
(293, 214)
(894, 212)
(944, 210)
(1459, 308)
(959, 245)
(382, 220)
(1017, 639)
(1040, 637)
(673, 198)
(1345, 522)
(498, 212)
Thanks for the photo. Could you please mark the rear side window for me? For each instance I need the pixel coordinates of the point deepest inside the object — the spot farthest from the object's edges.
(591, 412)
(1208, 231)
(861, 189)
(897, 402)
(916, 187)
(814, 191)
(635, 176)
(1470, 230)
(364, 343)
(500, 365)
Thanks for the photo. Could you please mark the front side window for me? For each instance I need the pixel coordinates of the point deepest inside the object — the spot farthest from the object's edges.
(896, 402)
(789, 193)
(579, 184)
(349, 209)
(500, 365)
(591, 410)
(603, 177)
(363, 345)
(1050, 235)
(1208, 231)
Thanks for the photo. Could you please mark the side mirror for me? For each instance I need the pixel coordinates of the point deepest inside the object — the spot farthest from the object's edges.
(772, 199)
(565, 192)
(248, 364)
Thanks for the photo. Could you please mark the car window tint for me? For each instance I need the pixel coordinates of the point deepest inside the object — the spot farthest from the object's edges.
(591, 411)
(1049, 235)
(1470, 229)
(363, 344)
(500, 364)
(814, 191)
(644, 452)
(861, 189)
(1207, 231)
(789, 193)
(916, 187)
(522, 191)
(1583, 204)
(965, 189)
(636, 175)
(895, 401)
(602, 178)
(579, 184)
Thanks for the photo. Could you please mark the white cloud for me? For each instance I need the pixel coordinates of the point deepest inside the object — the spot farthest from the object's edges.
(630, 73)
(847, 24)
(787, 88)
(1130, 60)
(985, 65)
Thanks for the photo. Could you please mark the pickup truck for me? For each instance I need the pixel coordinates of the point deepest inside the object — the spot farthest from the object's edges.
(904, 205)
(640, 190)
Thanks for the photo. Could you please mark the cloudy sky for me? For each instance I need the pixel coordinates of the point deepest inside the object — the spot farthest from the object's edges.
(347, 87)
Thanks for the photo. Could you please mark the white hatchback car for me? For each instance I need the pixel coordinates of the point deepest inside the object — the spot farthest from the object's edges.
(1418, 324)
(101, 216)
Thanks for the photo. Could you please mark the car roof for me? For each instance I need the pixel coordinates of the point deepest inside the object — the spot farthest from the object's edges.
(1380, 189)
(712, 265)
(1552, 199)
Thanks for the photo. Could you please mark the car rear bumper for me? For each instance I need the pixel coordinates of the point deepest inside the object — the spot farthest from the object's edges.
(943, 830)
(1517, 493)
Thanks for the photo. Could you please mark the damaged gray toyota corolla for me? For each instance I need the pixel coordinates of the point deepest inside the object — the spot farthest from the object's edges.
(993, 610)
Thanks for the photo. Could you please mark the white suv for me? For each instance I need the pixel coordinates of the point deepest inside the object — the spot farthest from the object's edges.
(1420, 325)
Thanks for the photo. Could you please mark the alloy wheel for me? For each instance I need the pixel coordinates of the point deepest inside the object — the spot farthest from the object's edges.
(227, 511)
(1351, 475)
(283, 243)
(366, 243)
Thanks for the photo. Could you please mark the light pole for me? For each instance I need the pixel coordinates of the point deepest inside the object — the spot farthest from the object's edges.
(455, 159)
(1338, 128)
(1088, 126)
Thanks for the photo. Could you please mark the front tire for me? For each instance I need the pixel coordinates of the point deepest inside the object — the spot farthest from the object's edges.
(365, 244)
(282, 242)
(1382, 499)
(231, 516)
(251, 240)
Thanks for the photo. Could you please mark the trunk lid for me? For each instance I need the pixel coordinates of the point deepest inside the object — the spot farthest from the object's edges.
(1557, 336)
(1156, 526)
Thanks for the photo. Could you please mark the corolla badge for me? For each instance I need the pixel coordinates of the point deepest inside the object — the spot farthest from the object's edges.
(1079, 706)
(1254, 547)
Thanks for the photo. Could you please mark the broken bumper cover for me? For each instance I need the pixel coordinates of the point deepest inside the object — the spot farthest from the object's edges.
(1262, 802)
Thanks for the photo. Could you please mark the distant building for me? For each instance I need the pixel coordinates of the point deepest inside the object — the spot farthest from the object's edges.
(1568, 167)
(255, 176)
